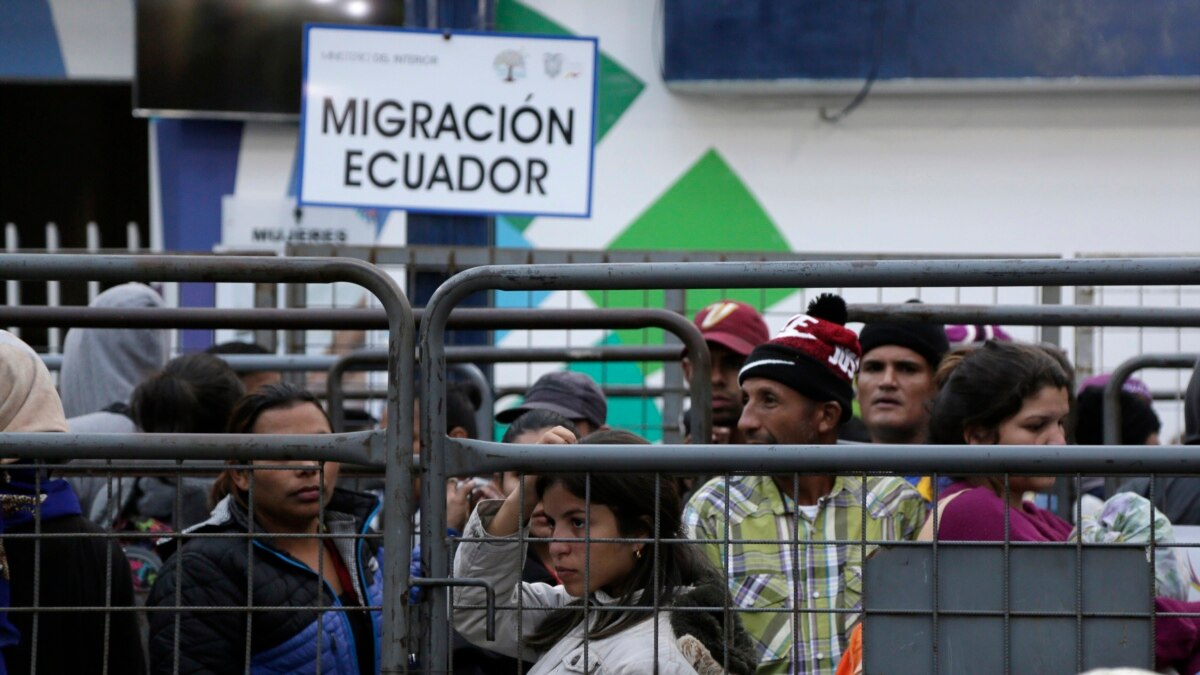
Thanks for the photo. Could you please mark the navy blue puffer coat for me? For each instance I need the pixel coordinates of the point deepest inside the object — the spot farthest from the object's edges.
(213, 572)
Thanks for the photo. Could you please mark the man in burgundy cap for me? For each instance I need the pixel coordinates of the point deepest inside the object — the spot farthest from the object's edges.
(732, 330)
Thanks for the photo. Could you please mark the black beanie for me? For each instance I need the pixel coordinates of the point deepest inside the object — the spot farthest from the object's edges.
(928, 340)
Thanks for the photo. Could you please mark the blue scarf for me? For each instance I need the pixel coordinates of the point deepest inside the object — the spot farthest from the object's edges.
(19, 500)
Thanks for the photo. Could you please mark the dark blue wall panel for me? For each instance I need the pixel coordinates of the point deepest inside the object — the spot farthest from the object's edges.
(197, 165)
(930, 39)
(29, 41)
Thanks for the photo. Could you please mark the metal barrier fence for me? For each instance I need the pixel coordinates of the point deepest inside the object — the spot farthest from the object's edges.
(333, 318)
(460, 356)
(465, 458)
(647, 418)
(1112, 388)
(1092, 349)
(1089, 349)
(12, 244)
(390, 447)
(547, 319)
(451, 457)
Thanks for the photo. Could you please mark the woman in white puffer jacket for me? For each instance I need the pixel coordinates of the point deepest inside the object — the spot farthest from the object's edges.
(624, 574)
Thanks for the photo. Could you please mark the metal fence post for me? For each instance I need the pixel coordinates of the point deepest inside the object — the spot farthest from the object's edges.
(12, 287)
(1085, 337)
(266, 296)
(675, 300)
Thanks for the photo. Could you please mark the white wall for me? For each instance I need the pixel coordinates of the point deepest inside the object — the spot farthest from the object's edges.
(1049, 173)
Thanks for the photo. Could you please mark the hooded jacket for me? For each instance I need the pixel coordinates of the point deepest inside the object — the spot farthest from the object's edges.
(101, 366)
(212, 572)
(680, 642)
(1178, 497)
(100, 369)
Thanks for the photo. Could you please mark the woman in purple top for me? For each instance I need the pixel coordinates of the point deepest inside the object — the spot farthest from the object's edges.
(1012, 394)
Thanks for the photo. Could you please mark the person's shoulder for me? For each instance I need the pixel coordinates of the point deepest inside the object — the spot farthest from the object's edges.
(979, 494)
(205, 568)
(885, 495)
(209, 553)
(972, 502)
(1141, 486)
(361, 505)
(743, 493)
(717, 487)
(646, 642)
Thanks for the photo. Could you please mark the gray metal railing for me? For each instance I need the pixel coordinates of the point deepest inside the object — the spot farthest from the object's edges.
(461, 355)
(395, 440)
(1112, 388)
(455, 457)
(564, 320)
(1031, 315)
(450, 456)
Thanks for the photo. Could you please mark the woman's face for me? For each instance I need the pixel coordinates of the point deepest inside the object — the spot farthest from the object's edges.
(289, 500)
(1041, 420)
(608, 563)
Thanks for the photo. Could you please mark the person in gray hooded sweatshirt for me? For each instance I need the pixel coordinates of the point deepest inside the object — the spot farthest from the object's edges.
(100, 369)
(101, 366)
(1178, 497)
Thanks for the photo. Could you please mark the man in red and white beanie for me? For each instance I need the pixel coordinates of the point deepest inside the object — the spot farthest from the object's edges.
(798, 392)
(815, 355)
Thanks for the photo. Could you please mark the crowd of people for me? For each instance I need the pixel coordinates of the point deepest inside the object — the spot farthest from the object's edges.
(600, 572)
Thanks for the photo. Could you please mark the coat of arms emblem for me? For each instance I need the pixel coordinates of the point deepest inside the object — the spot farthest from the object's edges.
(553, 63)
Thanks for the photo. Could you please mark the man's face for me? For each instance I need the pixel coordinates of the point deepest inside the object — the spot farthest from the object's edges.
(777, 414)
(895, 385)
(726, 394)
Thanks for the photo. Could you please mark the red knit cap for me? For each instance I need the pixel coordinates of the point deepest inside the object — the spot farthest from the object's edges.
(815, 354)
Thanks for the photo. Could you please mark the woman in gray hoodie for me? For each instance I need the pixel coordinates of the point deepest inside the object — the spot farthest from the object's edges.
(101, 366)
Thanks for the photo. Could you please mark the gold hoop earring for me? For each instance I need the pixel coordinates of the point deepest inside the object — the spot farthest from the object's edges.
(637, 553)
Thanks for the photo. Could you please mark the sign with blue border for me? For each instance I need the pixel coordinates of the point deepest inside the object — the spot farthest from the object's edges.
(442, 122)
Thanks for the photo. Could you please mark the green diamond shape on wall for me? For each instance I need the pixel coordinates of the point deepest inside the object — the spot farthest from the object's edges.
(708, 209)
(617, 87)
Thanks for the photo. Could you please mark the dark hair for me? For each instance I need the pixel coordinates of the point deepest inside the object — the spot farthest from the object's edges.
(278, 396)
(1138, 419)
(638, 501)
(462, 402)
(984, 387)
(613, 437)
(191, 394)
(536, 420)
(236, 347)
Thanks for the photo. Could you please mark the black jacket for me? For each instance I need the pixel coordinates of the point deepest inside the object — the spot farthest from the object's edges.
(74, 572)
(215, 573)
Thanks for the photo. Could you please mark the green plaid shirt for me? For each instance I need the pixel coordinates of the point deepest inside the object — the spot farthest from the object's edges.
(806, 574)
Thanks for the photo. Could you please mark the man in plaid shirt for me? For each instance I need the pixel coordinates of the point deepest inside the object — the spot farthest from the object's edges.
(798, 392)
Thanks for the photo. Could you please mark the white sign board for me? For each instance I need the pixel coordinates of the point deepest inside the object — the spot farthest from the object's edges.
(456, 123)
(263, 223)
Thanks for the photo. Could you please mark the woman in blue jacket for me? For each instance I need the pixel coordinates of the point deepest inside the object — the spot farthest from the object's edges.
(323, 587)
